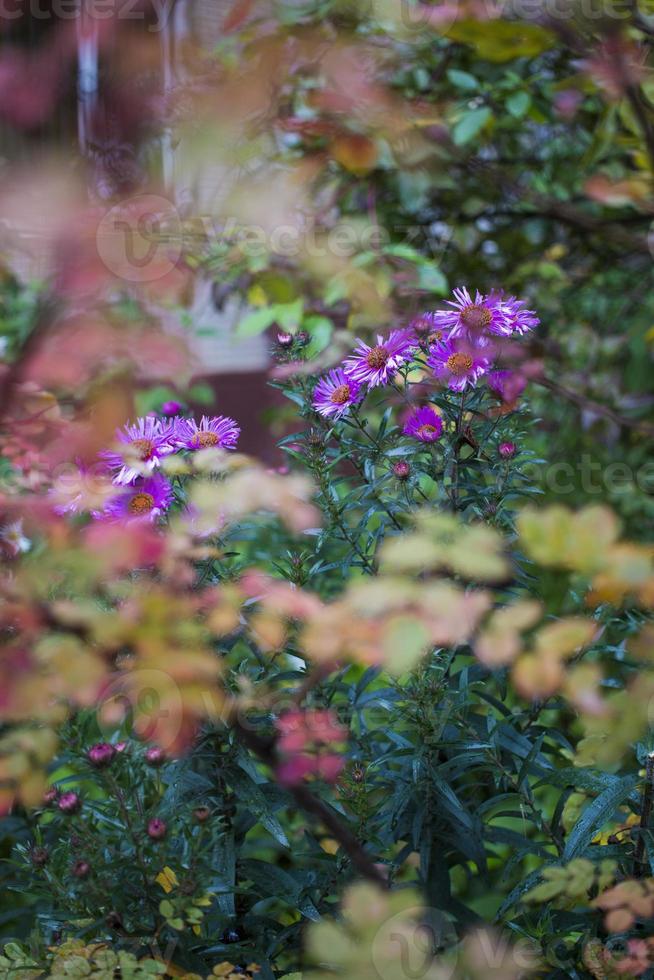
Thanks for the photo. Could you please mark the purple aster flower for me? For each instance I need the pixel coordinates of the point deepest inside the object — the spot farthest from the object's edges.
(507, 385)
(377, 365)
(144, 500)
(218, 432)
(424, 424)
(458, 362)
(518, 319)
(335, 394)
(145, 444)
(472, 317)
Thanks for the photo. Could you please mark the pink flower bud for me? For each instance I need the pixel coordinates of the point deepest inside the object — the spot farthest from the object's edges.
(50, 796)
(81, 869)
(508, 449)
(402, 470)
(156, 829)
(171, 408)
(101, 755)
(69, 802)
(155, 756)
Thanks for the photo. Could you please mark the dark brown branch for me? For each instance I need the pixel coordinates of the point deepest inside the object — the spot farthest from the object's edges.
(264, 749)
(596, 407)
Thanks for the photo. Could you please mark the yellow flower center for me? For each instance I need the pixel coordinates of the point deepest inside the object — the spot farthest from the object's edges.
(434, 337)
(459, 364)
(205, 439)
(427, 430)
(476, 317)
(340, 395)
(141, 503)
(143, 448)
(377, 357)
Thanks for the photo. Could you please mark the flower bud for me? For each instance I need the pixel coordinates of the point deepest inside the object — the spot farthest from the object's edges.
(423, 325)
(171, 408)
(101, 755)
(69, 802)
(155, 756)
(114, 920)
(39, 856)
(401, 470)
(201, 814)
(81, 869)
(358, 774)
(508, 450)
(156, 829)
(50, 796)
(285, 340)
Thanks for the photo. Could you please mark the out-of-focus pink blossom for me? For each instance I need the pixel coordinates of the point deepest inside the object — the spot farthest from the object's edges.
(303, 738)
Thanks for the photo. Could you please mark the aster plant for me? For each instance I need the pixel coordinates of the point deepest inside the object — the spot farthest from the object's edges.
(423, 414)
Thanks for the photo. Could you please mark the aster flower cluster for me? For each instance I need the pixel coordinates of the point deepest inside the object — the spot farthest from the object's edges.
(143, 493)
(461, 343)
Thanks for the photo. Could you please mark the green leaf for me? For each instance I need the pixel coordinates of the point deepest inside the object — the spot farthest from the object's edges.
(288, 315)
(321, 329)
(596, 814)
(518, 104)
(256, 322)
(502, 40)
(430, 277)
(470, 125)
(405, 641)
(462, 79)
